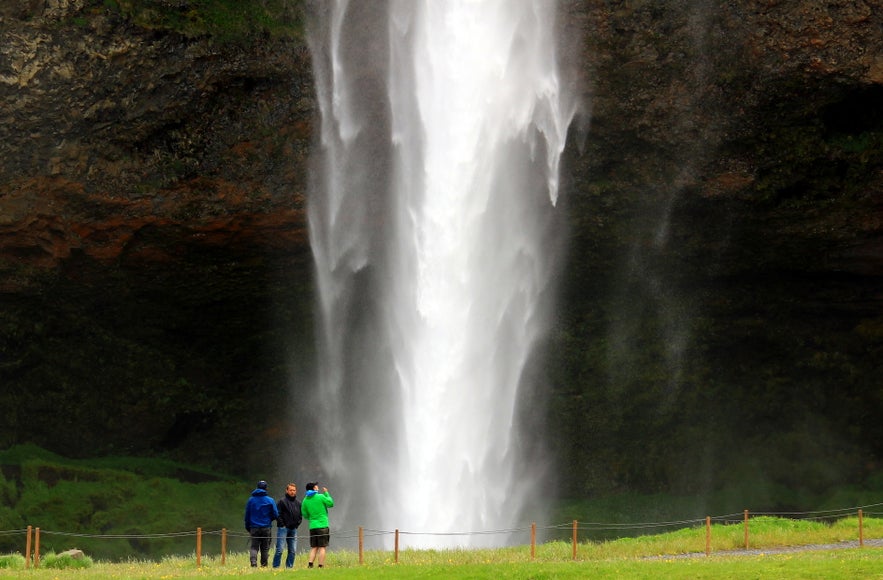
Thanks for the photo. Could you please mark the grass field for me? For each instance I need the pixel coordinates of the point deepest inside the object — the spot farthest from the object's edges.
(678, 554)
(835, 564)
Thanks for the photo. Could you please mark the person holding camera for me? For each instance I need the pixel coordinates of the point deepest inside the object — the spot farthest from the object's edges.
(315, 508)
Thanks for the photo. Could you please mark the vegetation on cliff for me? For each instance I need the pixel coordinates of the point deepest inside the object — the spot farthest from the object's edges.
(222, 20)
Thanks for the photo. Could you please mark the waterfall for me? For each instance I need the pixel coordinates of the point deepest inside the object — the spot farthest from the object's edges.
(434, 230)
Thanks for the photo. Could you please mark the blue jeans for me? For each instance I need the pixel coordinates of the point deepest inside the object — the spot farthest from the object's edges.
(283, 536)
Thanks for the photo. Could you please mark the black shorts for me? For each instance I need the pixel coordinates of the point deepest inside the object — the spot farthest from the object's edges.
(320, 537)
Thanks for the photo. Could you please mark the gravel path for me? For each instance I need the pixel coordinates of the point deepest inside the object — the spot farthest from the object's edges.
(876, 543)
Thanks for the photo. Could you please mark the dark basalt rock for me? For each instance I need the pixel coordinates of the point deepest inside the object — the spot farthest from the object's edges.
(720, 298)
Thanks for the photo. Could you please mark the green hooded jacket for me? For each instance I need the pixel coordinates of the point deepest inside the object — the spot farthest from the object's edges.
(315, 506)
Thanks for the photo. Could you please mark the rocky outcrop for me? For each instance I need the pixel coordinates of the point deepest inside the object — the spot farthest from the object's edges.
(108, 129)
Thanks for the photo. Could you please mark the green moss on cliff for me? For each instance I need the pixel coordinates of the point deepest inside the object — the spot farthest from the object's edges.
(830, 148)
(226, 20)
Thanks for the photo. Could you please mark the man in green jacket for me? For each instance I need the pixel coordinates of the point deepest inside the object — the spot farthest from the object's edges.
(315, 508)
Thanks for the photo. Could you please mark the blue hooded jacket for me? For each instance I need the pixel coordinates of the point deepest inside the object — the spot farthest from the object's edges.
(261, 510)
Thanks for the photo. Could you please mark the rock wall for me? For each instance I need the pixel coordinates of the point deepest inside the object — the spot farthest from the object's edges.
(725, 261)
(154, 263)
(721, 305)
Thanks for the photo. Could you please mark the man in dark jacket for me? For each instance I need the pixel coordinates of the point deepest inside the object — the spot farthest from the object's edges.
(260, 511)
(289, 519)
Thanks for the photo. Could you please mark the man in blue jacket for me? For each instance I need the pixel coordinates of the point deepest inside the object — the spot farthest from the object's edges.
(260, 513)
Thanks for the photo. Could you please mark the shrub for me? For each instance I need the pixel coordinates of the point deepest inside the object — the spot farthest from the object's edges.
(63, 561)
(12, 561)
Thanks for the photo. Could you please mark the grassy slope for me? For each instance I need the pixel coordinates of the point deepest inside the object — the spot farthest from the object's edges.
(140, 497)
(73, 499)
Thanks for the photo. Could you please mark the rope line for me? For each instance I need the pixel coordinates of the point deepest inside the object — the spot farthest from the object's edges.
(631, 526)
(118, 536)
(832, 512)
(733, 518)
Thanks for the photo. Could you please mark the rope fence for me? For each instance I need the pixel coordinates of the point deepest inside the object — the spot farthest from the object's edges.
(33, 535)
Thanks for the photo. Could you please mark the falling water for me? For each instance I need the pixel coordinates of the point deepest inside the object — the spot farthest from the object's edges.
(433, 225)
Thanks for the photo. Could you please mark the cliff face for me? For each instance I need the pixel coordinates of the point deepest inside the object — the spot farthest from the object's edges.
(722, 286)
(153, 251)
(110, 131)
(726, 247)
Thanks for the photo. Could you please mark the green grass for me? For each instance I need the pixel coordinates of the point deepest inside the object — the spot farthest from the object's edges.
(831, 564)
(764, 532)
(74, 500)
(642, 557)
(65, 561)
(13, 561)
(156, 505)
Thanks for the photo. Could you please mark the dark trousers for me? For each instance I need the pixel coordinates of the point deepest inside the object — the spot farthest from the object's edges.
(260, 540)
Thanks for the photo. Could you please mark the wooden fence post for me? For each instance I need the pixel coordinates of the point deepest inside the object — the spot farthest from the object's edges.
(28, 549)
(397, 546)
(533, 540)
(746, 529)
(361, 546)
(707, 535)
(861, 531)
(574, 539)
(198, 547)
(223, 546)
(37, 548)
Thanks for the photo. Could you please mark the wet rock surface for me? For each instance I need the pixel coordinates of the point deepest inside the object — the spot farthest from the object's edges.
(724, 194)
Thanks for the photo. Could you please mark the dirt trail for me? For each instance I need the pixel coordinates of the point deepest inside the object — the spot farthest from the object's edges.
(844, 545)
